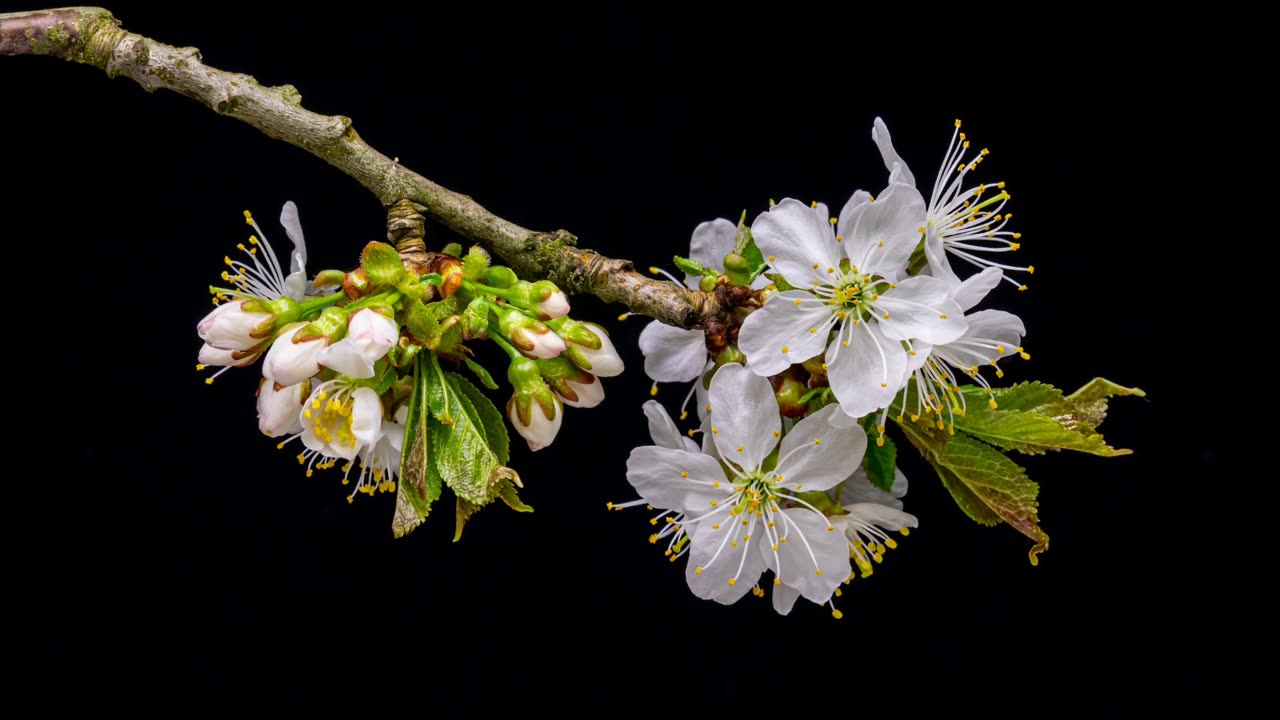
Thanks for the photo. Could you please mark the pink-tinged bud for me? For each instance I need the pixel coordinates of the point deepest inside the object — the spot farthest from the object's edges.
(589, 394)
(529, 336)
(536, 417)
(217, 357)
(230, 326)
(289, 363)
(556, 305)
(279, 407)
(370, 334)
(604, 362)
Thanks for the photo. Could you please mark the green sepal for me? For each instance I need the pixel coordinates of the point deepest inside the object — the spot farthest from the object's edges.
(431, 279)
(880, 461)
(821, 500)
(386, 376)
(989, 487)
(382, 264)
(500, 276)
(480, 372)
(328, 278)
(453, 248)
(475, 263)
(427, 322)
(780, 282)
(750, 252)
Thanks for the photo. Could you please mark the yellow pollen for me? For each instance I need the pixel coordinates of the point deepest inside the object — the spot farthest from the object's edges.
(782, 540)
(653, 270)
(891, 543)
(715, 527)
(1022, 287)
(684, 474)
(880, 244)
(772, 258)
(684, 414)
(715, 504)
(831, 528)
(199, 366)
(740, 448)
(623, 316)
(814, 204)
(799, 301)
(733, 581)
(208, 381)
(248, 218)
(833, 221)
(815, 265)
(653, 391)
(905, 531)
(839, 238)
(880, 441)
(608, 506)
(784, 348)
(992, 402)
(715, 431)
(818, 571)
(831, 269)
(920, 229)
(1031, 269)
(817, 441)
(1016, 236)
(846, 342)
(885, 316)
(697, 570)
(771, 523)
(777, 581)
(715, 484)
(776, 433)
(943, 316)
(813, 329)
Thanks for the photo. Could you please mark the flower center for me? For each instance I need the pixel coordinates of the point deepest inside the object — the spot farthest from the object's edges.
(331, 417)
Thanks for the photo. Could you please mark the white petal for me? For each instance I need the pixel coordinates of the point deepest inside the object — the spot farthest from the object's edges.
(289, 363)
(810, 546)
(986, 328)
(662, 428)
(780, 324)
(857, 200)
(605, 362)
(744, 416)
(366, 416)
(894, 219)
(589, 394)
(672, 354)
(817, 455)
(210, 355)
(892, 161)
(797, 239)
(919, 308)
(858, 489)
(657, 474)
(971, 291)
(882, 516)
(293, 228)
(347, 358)
(700, 394)
(743, 561)
(784, 598)
(867, 373)
(936, 254)
(711, 241)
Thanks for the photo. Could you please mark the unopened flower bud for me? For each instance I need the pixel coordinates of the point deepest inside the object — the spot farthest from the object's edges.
(217, 357)
(279, 407)
(535, 412)
(528, 335)
(542, 297)
(575, 386)
(602, 362)
(370, 334)
(737, 269)
(789, 392)
(289, 362)
(730, 354)
(500, 276)
(235, 325)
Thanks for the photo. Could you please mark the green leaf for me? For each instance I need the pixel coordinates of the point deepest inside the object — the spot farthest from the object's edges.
(987, 486)
(1033, 418)
(417, 489)
(437, 391)
(382, 263)
(780, 282)
(880, 461)
(428, 322)
(462, 453)
(387, 379)
(475, 319)
(485, 378)
(490, 419)
(431, 279)
(475, 263)
(512, 498)
(692, 267)
(746, 247)
(453, 248)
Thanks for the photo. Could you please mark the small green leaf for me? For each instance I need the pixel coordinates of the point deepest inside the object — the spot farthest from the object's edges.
(475, 319)
(431, 279)
(475, 263)
(428, 322)
(692, 267)
(988, 486)
(386, 379)
(780, 282)
(880, 461)
(490, 419)
(507, 492)
(453, 248)
(382, 263)
(1034, 417)
(461, 452)
(485, 378)
(462, 512)
(746, 247)
(437, 391)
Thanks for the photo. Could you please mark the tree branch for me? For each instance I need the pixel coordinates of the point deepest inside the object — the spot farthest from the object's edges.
(92, 36)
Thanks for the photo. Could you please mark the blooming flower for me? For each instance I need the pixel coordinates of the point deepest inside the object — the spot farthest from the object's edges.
(338, 421)
(958, 220)
(370, 334)
(380, 460)
(853, 304)
(745, 518)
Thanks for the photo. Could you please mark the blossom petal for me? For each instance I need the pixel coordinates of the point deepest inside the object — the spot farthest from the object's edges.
(858, 489)
(892, 161)
(810, 547)
(882, 516)
(347, 358)
(868, 372)
(880, 236)
(935, 252)
(293, 228)
(366, 416)
(857, 200)
(744, 416)
(662, 428)
(658, 475)
(817, 455)
(672, 354)
(791, 328)
(711, 241)
(973, 289)
(784, 598)
(718, 554)
(989, 332)
(918, 308)
(793, 240)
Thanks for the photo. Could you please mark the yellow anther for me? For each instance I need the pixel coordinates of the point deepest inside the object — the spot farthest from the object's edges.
(846, 342)
(697, 570)
(839, 238)
(777, 581)
(715, 527)
(772, 258)
(836, 613)
(772, 523)
(248, 218)
(608, 506)
(814, 204)
(623, 316)
(920, 229)
(1022, 287)
(880, 441)
(208, 381)
(818, 571)
(199, 366)
(715, 504)
(1031, 269)
(653, 539)
(831, 270)
(905, 531)
(891, 543)
(817, 441)
(833, 221)
(813, 329)
(776, 433)
(799, 301)
(653, 269)
(715, 431)
(733, 581)
(784, 348)
(815, 265)
(684, 474)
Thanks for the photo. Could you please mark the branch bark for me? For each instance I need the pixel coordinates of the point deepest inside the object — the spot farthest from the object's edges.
(92, 36)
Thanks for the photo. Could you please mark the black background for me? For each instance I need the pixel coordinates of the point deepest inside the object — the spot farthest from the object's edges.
(166, 547)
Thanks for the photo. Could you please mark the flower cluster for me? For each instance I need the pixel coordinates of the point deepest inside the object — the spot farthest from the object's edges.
(843, 320)
(353, 362)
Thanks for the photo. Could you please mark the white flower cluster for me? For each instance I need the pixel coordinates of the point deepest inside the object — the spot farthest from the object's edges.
(337, 419)
(867, 308)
